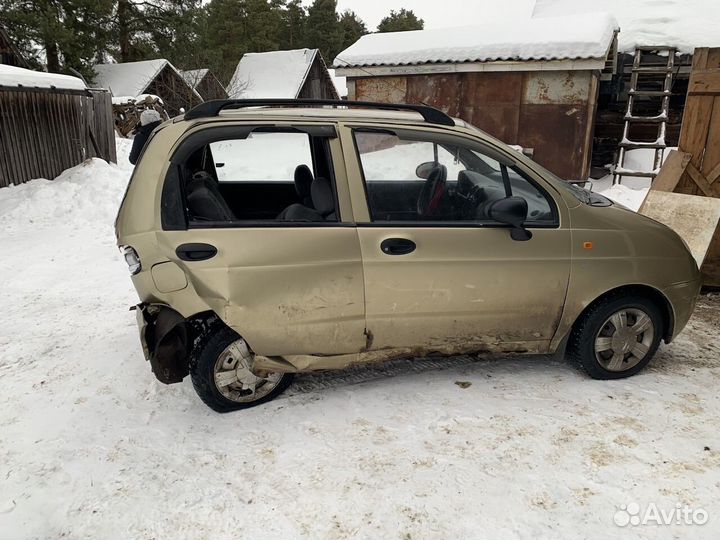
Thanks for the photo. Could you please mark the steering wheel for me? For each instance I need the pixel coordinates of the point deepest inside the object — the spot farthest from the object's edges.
(432, 191)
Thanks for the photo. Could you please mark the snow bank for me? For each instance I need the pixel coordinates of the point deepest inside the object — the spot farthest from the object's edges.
(275, 74)
(88, 193)
(569, 37)
(685, 24)
(15, 76)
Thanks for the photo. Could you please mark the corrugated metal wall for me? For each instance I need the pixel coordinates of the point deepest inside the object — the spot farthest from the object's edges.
(44, 132)
(551, 112)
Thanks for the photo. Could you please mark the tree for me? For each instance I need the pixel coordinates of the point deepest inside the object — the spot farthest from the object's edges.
(323, 29)
(353, 28)
(69, 34)
(294, 25)
(400, 21)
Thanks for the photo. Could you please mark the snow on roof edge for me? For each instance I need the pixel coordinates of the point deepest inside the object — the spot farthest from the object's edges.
(18, 77)
(583, 36)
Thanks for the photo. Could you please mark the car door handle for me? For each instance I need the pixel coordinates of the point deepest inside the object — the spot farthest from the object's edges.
(397, 246)
(196, 252)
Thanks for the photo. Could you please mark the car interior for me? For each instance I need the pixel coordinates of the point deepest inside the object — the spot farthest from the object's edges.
(307, 196)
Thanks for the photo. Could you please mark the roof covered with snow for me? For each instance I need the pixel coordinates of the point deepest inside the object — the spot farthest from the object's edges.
(194, 76)
(129, 78)
(556, 38)
(275, 74)
(21, 77)
(685, 24)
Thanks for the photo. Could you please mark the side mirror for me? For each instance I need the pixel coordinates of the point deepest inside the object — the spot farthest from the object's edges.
(424, 169)
(219, 165)
(511, 211)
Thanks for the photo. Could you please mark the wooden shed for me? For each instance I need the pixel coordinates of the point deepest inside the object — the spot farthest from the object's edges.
(157, 77)
(50, 123)
(299, 73)
(205, 83)
(532, 83)
(9, 53)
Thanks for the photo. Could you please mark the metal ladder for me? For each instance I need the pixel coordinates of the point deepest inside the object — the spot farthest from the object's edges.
(639, 69)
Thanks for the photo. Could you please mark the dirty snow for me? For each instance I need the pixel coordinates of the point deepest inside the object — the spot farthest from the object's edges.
(93, 446)
(575, 36)
(685, 24)
(17, 76)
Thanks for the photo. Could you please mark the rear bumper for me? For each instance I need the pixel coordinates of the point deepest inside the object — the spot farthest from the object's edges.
(683, 297)
(164, 339)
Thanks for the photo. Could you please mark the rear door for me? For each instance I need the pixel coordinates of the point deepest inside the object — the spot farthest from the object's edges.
(453, 281)
(286, 287)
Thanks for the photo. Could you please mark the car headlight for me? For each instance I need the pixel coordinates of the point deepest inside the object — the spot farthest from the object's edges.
(132, 259)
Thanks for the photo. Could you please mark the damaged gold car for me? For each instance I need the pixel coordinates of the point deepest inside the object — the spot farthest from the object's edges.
(270, 237)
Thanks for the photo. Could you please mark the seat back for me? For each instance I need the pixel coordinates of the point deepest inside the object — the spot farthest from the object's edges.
(303, 183)
(204, 200)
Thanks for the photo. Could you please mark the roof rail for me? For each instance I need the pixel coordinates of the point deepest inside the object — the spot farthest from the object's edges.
(209, 109)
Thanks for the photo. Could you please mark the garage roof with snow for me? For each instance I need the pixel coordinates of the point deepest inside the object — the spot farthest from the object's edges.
(569, 37)
(684, 24)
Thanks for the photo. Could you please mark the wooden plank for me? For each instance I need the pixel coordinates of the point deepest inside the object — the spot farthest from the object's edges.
(705, 82)
(711, 157)
(713, 174)
(711, 190)
(694, 131)
(700, 57)
(713, 58)
(671, 171)
(694, 218)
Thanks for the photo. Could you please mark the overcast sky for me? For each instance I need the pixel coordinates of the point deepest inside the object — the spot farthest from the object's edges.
(437, 13)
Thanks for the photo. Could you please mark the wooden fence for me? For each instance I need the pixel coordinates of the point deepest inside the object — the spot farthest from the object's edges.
(45, 131)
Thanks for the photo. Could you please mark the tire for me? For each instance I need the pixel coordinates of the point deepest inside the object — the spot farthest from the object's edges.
(595, 330)
(218, 349)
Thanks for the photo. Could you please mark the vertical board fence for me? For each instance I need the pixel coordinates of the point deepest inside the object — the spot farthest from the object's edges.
(45, 131)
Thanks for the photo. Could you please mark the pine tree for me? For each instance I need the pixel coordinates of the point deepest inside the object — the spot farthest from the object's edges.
(68, 33)
(323, 29)
(400, 21)
(353, 28)
(294, 25)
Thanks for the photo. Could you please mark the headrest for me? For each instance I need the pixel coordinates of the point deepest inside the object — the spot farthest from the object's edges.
(322, 196)
(303, 180)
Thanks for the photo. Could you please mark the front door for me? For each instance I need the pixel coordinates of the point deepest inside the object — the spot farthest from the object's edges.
(439, 274)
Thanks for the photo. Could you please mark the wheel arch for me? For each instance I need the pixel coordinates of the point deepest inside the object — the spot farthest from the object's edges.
(643, 290)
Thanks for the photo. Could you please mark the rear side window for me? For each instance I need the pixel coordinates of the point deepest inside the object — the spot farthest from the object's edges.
(261, 157)
(412, 177)
(251, 176)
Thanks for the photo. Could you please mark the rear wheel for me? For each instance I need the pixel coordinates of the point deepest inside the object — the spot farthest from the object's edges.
(222, 374)
(617, 336)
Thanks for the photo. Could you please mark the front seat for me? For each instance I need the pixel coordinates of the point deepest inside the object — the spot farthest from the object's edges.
(204, 200)
(323, 201)
(303, 183)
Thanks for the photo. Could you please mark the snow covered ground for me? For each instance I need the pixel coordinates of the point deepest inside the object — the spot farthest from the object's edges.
(92, 446)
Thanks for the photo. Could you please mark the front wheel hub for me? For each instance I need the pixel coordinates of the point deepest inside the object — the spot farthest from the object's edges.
(624, 339)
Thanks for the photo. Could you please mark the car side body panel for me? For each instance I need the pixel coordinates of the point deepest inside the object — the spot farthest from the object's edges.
(300, 292)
